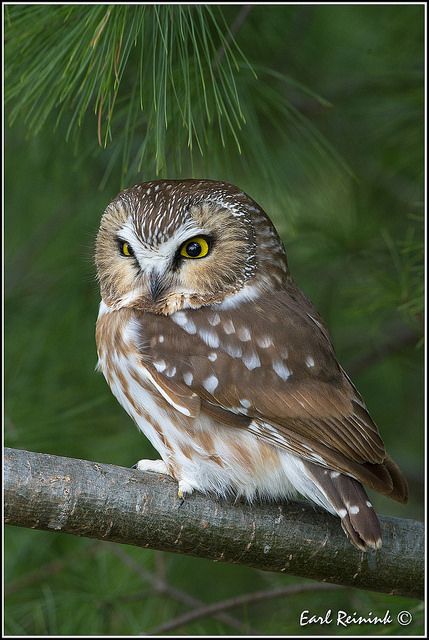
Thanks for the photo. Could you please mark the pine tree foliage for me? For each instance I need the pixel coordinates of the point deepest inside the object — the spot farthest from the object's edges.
(167, 90)
(314, 110)
(150, 75)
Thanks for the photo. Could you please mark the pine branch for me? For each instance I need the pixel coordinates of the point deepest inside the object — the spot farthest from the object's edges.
(396, 342)
(141, 70)
(122, 505)
(240, 19)
(167, 87)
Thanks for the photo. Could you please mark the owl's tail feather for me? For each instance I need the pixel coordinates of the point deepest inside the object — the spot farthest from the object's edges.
(386, 478)
(348, 499)
(400, 486)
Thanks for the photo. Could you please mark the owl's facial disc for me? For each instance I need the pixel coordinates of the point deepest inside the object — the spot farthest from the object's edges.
(160, 272)
(161, 260)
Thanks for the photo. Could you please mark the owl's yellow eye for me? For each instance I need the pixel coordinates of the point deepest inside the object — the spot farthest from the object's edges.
(125, 249)
(197, 247)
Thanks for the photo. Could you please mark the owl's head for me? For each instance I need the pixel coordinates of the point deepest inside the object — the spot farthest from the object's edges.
(172, 244)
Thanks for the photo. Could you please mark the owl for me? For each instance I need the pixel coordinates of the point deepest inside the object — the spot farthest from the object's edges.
(224, 364)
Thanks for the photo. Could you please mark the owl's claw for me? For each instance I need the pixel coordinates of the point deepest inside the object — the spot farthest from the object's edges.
(184, 489)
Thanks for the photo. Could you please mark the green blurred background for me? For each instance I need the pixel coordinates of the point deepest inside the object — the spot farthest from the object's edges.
(332, 148)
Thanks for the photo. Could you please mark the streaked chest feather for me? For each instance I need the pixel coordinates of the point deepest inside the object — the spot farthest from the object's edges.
(202, 451)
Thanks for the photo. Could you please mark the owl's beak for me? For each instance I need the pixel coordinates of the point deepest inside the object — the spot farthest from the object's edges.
(157, 285)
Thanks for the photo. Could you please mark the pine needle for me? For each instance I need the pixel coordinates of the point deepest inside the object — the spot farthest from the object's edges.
(163, 81)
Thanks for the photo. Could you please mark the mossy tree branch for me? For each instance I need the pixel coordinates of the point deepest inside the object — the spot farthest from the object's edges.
(122, 505)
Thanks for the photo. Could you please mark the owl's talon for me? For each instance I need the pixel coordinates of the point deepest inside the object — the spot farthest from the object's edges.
(180, 496)
(184, 489)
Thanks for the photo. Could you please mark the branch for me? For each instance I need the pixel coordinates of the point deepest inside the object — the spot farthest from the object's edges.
(238, 601)
(162, 587)
(402, 338)
(239, 20)
(127, 506)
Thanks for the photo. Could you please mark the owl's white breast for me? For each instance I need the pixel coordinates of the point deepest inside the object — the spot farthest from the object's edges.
(207, 455)
(120, 362)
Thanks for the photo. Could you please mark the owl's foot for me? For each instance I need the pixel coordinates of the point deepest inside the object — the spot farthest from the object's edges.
(185, 489)
(156, 466)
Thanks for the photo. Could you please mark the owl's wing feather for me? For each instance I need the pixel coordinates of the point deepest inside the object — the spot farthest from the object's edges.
(269, 367)
(178, 395)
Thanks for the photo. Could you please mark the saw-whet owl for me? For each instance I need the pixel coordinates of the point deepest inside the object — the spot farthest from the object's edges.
(223, 363)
